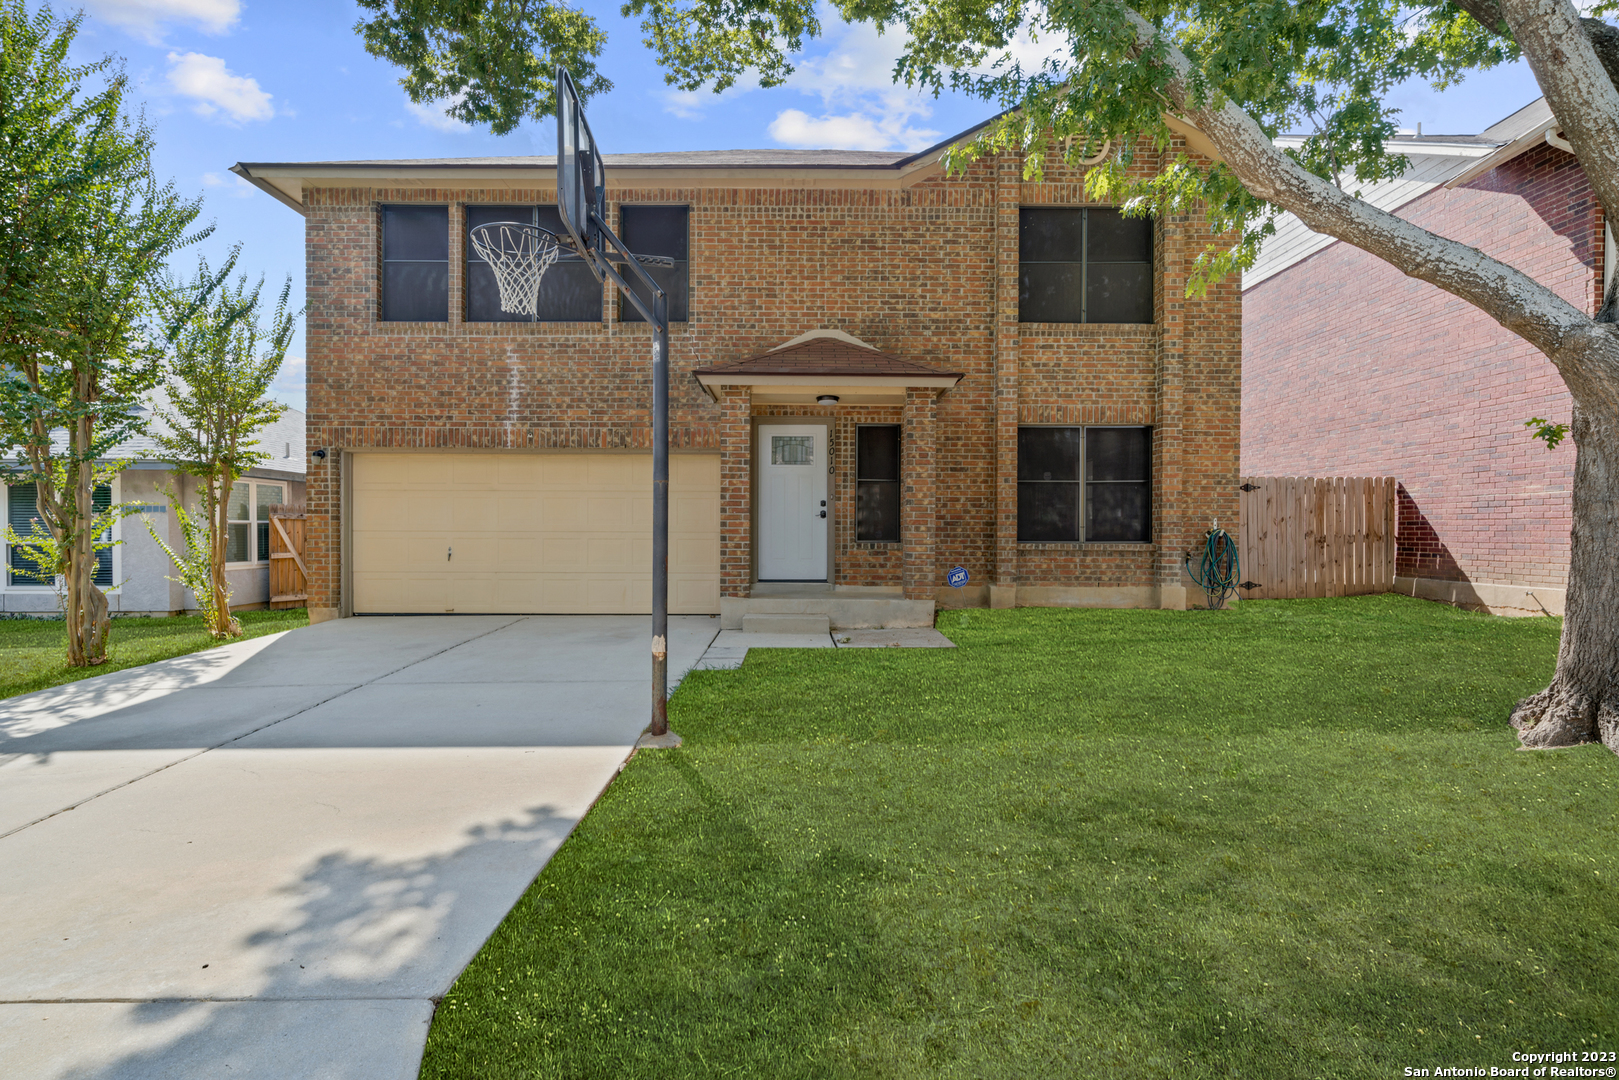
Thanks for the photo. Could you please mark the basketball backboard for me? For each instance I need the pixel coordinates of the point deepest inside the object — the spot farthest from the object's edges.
(581, 180)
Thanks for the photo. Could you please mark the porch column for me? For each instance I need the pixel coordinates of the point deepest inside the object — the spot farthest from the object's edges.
(918, 513)
(736, 491)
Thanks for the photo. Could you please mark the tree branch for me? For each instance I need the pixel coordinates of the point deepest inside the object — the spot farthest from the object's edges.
(1515, 300)
(1604, 38)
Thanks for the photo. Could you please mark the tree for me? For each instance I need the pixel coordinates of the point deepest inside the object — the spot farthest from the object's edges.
(1242, 72)
(85, 231)
(221, 365)
(489, 61)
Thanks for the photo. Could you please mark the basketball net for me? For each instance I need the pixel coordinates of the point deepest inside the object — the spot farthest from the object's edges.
(519, 255)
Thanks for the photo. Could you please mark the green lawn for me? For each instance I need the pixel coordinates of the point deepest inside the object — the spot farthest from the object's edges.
(1289, 840)
(33, 652)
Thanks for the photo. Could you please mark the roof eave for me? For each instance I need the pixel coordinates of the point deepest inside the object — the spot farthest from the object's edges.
(1502, 154)
(903, 172)
(268, 188)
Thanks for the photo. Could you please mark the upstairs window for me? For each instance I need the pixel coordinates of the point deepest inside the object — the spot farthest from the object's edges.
(568, 292)
(877, 484)
(1084, 265)
(415, 263)
(22, 510)
(1092, 484)
(657, 230)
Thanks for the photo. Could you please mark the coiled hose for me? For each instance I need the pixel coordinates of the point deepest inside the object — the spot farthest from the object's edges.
(1218, 572)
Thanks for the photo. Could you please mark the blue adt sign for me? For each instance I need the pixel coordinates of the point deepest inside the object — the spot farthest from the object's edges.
(957, 577)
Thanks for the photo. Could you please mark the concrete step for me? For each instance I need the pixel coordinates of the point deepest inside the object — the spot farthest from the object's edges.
(786, 623)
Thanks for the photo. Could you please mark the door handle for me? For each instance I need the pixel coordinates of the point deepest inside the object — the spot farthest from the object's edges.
(823, 513)
(449, 553)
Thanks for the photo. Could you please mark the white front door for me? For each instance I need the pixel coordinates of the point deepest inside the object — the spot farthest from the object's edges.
(792, 502)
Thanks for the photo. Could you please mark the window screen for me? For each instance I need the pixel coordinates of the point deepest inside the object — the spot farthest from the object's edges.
(1117, 483)
(1084, 265)
(1048, 489)
(1091, 484)
(415, 263)
(568, 292)
(658, 230)
(21, 511)
(877, 483)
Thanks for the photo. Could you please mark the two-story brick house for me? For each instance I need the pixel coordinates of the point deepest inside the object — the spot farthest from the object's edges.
(878, 372)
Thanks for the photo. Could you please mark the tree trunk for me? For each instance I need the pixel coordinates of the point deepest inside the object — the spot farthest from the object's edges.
(88, 617)
(223, 624)
(1582, 703)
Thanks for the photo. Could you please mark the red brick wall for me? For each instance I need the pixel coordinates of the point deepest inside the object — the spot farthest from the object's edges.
(927, 272)
(1351, 368)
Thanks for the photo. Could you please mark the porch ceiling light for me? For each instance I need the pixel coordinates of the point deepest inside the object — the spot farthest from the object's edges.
(827, 399)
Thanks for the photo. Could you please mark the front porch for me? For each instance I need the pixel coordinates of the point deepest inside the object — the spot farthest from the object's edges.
(806, 536)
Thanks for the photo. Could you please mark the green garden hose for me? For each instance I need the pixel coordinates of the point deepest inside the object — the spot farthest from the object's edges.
(1218, 572)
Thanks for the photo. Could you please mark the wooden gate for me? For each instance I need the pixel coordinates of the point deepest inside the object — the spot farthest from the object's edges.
(1304, 536)
(289, 577)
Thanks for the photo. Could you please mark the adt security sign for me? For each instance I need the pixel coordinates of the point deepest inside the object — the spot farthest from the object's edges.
(957, 577)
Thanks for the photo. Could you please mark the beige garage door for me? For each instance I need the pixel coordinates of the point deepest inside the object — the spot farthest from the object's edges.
(519, 533)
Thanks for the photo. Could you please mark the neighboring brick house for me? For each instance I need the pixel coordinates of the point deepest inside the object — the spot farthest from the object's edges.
(1352, 368)
(855, 310)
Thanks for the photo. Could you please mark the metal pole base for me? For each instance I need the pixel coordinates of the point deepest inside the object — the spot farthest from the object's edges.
(648, 741)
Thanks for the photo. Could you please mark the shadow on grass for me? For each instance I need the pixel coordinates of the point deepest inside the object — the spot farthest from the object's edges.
(1296, 842)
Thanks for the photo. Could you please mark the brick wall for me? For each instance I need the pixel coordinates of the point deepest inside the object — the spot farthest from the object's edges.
(927, 272)
(1351, 368)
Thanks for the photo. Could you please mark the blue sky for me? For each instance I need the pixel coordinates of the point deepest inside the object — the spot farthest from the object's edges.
(226, 81)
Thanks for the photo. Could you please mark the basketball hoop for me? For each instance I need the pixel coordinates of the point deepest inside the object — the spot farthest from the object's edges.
(519, 255)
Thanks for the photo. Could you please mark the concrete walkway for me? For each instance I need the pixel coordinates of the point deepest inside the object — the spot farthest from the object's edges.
(730, 650)
(267, 859)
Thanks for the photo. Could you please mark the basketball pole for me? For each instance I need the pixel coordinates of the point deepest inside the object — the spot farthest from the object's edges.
(657, 313)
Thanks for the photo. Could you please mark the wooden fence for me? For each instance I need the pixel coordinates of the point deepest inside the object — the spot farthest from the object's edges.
(1305, 536)
(289, 577)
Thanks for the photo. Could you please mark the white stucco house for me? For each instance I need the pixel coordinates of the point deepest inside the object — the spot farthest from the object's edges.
(135, 569)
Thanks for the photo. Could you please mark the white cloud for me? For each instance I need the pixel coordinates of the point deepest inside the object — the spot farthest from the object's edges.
(1031, 53)
(215, 90)
(686, 104)
(694, 104)
(436, 118)
(234, 184)
(853, 131)
(145, 18)
(862, 108)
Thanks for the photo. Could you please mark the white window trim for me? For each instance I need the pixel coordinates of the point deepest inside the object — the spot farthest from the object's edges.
(34, 589)
(253, 483)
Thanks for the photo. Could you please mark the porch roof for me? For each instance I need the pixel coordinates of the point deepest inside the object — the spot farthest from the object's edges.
(826, 362)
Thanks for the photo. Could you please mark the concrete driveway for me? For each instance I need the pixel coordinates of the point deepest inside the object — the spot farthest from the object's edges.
(267, 859)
